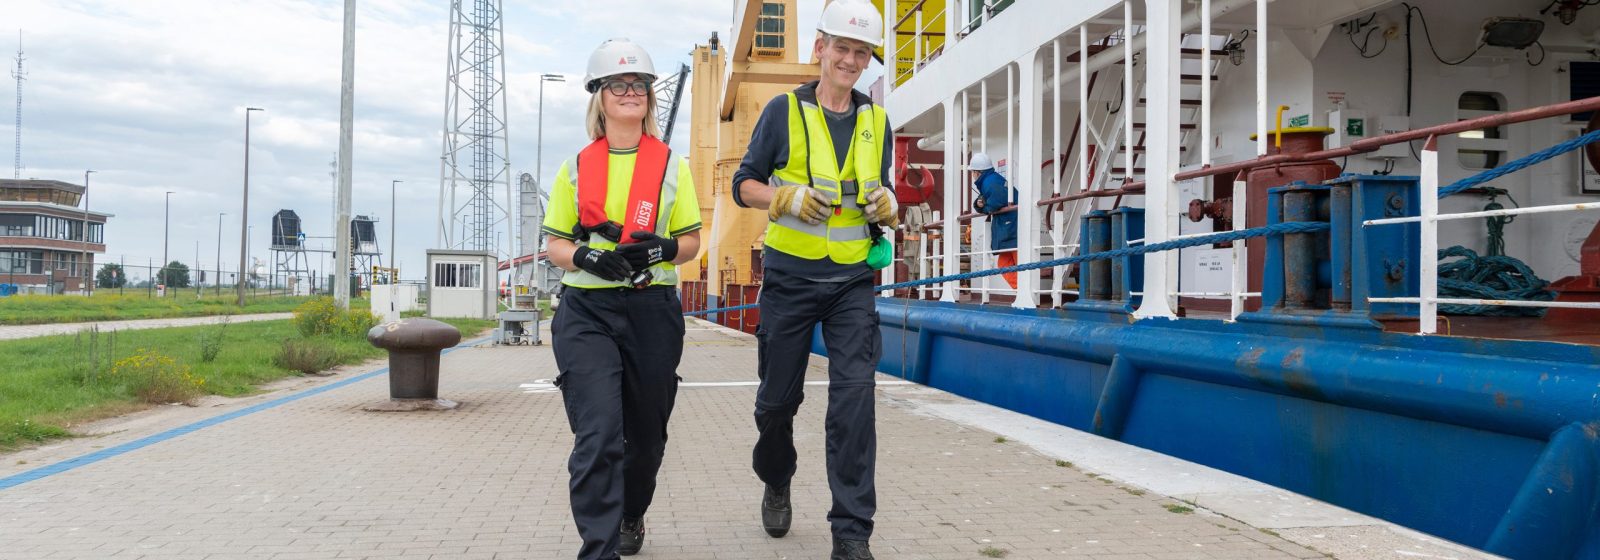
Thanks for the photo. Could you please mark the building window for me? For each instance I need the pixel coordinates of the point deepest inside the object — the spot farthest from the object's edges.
(457, 275)
(1482, 148)
(21, 262)
(66, 262)
(97, 233)
(16, 225)
(770, 30)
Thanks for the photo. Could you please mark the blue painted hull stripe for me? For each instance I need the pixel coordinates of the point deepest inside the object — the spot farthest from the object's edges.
(103, 454)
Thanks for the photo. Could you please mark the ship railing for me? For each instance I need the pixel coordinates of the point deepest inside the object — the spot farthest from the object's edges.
(987, 9)
(922, 25)
(1430, 193)
(932, 262)
(1430, 217)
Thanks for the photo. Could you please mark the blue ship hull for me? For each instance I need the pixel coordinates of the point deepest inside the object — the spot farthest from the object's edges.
(1489, 443)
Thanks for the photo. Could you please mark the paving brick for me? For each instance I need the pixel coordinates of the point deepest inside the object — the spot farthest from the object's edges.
(319, 478)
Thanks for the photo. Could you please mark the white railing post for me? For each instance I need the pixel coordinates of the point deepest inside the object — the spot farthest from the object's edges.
(1083, 110)
(1205, 86)
(953, 125)
(1428, 314)
(891, 42)
(1058, 157)
(1261, 77)
(1128, 98)
(952, 22)
(1027, 146)
(1163, 87)
(1241, 257)
(983, 118)
(916, 59)
(922, 263)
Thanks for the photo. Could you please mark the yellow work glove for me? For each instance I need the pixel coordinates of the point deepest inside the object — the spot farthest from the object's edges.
(882, 207)
(800, 201)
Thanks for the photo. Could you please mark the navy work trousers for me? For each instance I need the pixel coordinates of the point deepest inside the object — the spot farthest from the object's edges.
(791, 307)
(618, 352)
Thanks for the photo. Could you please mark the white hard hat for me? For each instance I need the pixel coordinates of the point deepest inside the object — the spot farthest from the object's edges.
(980, 162)
(616, 57)
(853, 19)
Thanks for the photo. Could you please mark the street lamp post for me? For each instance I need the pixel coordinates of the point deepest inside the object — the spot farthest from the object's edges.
(166, 221)
(538, 166)
(394, 267)
(244, 213)
(88, 271)
(218, 280)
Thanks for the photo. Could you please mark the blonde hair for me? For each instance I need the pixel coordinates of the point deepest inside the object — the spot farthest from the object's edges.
(595, 121)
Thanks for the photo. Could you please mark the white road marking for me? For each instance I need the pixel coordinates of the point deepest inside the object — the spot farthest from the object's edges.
(547, 386)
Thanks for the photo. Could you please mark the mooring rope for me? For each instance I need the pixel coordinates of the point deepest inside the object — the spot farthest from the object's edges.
(1221, 237)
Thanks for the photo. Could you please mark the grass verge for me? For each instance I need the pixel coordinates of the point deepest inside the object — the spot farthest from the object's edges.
(50, 384)
(108, 306)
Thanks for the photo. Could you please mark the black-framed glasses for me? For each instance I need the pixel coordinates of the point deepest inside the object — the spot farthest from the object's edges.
(620, 88)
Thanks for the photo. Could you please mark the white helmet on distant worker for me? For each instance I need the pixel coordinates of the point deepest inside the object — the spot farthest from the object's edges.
(980, 162)
(616, 57)
(853, 19)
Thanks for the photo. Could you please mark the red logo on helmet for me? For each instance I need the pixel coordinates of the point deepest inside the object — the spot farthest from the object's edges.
(622, 61)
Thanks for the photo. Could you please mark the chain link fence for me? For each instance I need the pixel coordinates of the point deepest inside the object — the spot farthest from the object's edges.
(27, 275)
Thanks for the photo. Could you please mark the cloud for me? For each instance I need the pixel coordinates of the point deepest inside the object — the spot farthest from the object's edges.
(150, 93)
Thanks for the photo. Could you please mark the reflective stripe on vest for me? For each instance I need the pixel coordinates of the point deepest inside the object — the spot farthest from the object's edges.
(844, 237)
(666, 273)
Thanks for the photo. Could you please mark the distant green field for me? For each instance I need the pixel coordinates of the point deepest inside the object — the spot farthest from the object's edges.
(109, 306)
(46, 387)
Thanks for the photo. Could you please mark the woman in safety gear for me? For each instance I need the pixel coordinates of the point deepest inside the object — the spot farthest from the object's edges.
(622, 216)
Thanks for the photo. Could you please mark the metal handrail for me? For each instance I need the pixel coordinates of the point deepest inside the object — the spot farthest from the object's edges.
(1376, 142)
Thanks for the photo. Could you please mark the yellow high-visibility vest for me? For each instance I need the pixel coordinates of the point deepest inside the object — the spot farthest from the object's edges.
(844, 236)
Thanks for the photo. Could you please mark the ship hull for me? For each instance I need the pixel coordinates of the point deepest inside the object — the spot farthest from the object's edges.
(1489, 443)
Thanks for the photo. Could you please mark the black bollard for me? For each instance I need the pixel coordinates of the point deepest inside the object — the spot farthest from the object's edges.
(414, 346)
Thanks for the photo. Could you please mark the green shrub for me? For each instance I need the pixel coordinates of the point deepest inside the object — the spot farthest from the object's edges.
(306, 356)
(159, 379)
(317, 316)
(320, 316)
(211, 341)
(356, 322)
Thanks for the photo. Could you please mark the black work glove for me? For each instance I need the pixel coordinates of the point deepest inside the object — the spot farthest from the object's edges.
(609, 230)
(649, 250)
(606, 264)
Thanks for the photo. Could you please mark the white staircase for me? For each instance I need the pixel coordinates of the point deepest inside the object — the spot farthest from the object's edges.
(1109, 168)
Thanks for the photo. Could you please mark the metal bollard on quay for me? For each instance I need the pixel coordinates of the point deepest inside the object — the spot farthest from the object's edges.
(414, 346)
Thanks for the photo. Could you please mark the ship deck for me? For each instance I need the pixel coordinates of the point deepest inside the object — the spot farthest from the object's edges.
(302, 472)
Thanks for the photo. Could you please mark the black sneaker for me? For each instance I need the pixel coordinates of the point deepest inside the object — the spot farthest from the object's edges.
(850, 550)
(632, 536)
(775, 511)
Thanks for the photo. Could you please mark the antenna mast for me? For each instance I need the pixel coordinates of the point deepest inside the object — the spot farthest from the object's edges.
(20, 75)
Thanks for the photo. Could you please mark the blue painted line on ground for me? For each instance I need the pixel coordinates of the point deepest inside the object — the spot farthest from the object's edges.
(107, 453)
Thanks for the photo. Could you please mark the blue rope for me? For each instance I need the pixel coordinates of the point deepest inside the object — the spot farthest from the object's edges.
(1520, 164)
(1264, 231)
(1277, 229)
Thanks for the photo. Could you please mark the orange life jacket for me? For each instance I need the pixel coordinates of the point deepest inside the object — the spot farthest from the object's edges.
(644, 194)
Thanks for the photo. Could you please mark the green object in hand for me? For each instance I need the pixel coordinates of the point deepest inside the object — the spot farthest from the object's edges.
(881, 255)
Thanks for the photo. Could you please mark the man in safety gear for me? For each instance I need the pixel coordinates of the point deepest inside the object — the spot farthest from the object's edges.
(622, 215)
(993, 197)
(818, 164)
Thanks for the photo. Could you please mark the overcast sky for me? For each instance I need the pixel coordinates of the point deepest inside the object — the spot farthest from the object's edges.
(150, 94)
